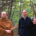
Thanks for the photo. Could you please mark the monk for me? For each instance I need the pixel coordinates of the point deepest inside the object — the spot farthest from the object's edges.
(6, 29)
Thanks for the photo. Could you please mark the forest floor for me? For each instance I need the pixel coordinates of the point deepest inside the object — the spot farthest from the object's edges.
(16, 34)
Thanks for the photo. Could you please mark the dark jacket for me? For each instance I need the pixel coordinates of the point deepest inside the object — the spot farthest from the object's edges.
(34, 30)
(25, 27)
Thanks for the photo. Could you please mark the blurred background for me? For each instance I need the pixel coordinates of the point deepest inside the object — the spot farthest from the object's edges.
(14, 9)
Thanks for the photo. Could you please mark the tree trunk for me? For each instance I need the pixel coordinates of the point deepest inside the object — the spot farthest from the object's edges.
(32, 6)
(10, 9)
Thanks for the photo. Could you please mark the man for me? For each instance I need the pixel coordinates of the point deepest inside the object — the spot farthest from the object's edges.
(25, 25)
(6, 29)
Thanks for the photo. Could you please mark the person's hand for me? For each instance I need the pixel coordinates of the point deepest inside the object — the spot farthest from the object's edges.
(8, 31)
(14, 27)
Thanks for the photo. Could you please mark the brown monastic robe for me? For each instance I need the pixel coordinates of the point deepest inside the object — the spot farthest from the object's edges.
(5, 24)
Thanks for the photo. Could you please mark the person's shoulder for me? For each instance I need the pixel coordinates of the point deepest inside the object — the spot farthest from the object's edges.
(21, 18)
(29, 18)
(0, 18)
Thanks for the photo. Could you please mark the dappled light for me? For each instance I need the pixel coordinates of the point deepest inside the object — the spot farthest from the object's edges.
(14, 9)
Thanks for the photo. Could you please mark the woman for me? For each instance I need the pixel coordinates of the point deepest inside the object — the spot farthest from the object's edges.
(34, 27)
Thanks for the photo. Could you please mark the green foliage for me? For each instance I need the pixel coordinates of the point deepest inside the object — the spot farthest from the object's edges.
(18, 7)
(24, 5)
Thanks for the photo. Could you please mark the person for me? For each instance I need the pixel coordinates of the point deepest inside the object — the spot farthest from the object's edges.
(34, 27)
(6, 29)
(25, 25)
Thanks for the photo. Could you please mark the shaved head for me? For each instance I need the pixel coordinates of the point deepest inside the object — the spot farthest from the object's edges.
(3, 14)
(24, 13)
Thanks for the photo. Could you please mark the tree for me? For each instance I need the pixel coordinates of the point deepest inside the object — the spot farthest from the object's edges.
(32, 6)
(10, 9)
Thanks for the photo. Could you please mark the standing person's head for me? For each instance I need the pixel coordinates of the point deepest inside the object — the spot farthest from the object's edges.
(34, 21)
(3, 14)
(24, 13)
